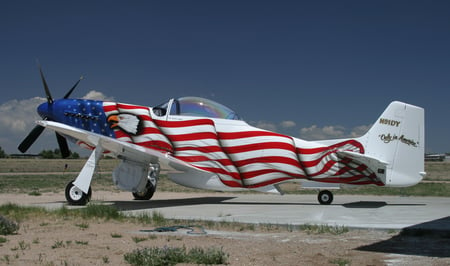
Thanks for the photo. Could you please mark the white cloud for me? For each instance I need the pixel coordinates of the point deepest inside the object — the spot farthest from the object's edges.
(96, 95)
(275, 127)
(359, 131)
(287, 124)
(313, 132)
(264, 125)
(17, 115)
(332, 132)
(319, 133)
(16, 120)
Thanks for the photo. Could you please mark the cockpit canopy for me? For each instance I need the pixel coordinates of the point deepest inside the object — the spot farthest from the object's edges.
(195, 106)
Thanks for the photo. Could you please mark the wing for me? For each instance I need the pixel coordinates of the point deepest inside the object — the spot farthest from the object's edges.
(123, 150)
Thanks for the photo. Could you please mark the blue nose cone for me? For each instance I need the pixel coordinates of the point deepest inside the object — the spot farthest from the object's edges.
(44, 110)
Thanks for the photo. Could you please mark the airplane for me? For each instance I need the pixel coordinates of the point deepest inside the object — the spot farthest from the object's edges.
(204, 144)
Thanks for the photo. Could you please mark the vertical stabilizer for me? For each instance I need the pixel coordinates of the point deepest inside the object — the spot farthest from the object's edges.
(398, 139)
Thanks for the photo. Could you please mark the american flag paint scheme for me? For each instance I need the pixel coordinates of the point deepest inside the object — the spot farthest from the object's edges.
(204, 144)
(251, 158)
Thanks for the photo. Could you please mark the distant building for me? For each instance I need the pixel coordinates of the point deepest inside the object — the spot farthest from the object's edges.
(434, 157)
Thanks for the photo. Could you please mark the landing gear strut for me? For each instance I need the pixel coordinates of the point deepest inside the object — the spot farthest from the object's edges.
(76, 189)
(75, 196)
(325, 197)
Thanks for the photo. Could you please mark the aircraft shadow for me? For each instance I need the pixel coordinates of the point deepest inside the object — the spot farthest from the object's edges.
(153, 204)
(374, 204)
(431, 239)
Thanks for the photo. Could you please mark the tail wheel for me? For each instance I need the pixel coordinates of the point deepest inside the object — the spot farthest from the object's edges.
(147, 193)
(76, 196)
(325, 197)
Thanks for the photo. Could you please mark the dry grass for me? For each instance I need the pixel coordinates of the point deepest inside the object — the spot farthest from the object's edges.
(437, 171)
(51, 165)
(48, 175)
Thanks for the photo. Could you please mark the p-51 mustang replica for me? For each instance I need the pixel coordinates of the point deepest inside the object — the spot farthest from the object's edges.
(204, 144)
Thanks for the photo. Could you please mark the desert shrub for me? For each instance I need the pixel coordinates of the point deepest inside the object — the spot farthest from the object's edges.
(8, 227)
(207, 257)
(173, 255)
(155, 256)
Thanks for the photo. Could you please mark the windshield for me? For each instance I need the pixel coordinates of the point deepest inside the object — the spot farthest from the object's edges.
(196, 106)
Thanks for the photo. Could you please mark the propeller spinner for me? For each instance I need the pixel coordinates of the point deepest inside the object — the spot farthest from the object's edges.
(44, 111)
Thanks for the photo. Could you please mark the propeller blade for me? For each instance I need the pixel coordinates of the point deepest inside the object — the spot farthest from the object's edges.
(47, 91)
(31, 138)
(63, 147)
(71, 90)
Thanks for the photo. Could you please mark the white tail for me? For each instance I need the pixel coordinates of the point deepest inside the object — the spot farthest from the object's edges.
(396, 143)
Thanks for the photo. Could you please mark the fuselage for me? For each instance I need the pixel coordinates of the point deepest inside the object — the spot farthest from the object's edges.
(241, 155)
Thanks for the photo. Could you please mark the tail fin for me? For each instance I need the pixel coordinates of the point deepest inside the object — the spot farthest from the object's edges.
(398, 140)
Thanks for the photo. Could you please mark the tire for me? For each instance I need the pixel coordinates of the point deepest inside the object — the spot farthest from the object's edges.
(75, 196)
(147, 193)
(325, 197)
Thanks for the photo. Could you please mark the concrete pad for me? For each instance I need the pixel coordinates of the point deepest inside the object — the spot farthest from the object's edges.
(377, 212)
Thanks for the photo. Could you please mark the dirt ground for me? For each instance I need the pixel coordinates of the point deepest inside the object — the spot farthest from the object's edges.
(46, 241)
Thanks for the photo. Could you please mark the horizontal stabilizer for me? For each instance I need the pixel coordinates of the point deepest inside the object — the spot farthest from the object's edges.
(376, 165)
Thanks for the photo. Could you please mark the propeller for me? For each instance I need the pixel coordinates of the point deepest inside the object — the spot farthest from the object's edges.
(37, 130)
(63, 147)
(47, 91)
(71, 90)
(31, 138)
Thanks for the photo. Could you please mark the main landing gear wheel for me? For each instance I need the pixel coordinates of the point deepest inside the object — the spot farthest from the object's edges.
(325, 197)
(150, 187)
(147, 193)
(75, 196)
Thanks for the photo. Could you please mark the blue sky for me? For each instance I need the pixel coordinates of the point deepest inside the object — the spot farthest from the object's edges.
(310, 69)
